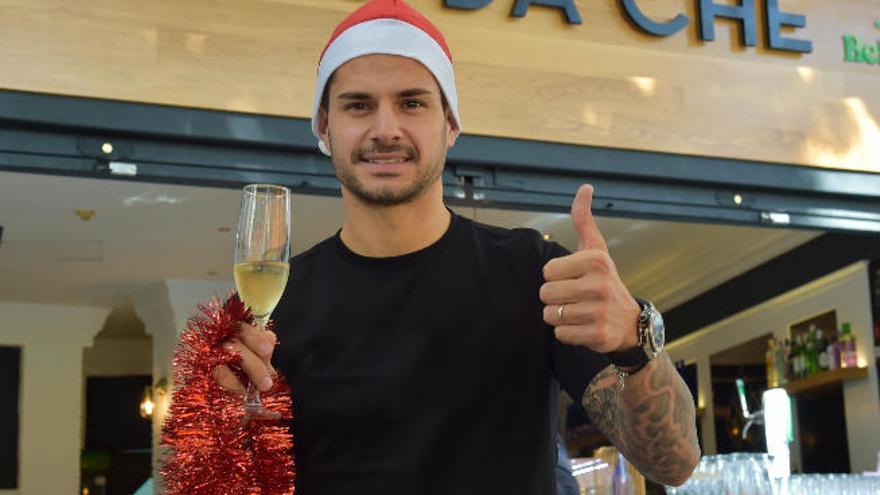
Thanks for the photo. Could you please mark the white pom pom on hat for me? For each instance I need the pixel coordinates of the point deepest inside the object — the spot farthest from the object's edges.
(388, 27)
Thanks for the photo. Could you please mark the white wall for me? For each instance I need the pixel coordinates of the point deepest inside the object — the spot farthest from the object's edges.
(118, 357)
(165, 308)
(847, 292)
(58, 350)
(52, 339)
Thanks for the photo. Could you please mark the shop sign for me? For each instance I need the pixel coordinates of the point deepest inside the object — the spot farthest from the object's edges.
(744, 13)
(858, 51)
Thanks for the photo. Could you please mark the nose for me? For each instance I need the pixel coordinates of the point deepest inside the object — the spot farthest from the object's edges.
(386, 124)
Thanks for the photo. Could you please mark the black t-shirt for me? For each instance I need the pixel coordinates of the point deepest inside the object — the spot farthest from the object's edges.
(427, 373)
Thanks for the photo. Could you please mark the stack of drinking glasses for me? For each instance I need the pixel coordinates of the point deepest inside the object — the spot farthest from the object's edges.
(828, 484)
(747, 474)
(729, 474)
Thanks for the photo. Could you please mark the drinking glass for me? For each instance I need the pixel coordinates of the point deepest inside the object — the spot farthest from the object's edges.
(262, 251)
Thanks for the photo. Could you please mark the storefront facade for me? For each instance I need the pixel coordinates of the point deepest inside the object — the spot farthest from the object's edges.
(541, 97)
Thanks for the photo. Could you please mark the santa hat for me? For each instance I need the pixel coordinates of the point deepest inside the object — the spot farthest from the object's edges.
(389, 27)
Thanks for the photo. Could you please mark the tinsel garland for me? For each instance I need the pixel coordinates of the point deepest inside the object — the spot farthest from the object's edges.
(211, 449)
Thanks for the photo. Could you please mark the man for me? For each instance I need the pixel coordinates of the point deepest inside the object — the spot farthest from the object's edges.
(424, 350)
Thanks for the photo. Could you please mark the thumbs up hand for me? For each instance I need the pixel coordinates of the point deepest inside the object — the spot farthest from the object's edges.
(584, 298)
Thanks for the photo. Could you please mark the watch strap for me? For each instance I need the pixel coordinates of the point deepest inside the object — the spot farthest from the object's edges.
(629, 359)
(632, 360)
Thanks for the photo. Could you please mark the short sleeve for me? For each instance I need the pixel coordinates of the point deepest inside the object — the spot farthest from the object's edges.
(574, 365)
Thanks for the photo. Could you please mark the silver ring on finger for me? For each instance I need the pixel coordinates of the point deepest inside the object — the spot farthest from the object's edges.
(560, 313)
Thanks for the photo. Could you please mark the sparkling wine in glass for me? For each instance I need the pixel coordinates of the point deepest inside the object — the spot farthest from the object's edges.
(262, 250)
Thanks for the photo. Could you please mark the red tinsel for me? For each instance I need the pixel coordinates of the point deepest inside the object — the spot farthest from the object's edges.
(212, 450)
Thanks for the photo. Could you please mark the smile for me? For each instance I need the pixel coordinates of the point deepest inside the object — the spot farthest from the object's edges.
(387, 161)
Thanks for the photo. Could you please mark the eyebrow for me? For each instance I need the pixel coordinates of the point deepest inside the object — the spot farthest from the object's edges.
(407, 93)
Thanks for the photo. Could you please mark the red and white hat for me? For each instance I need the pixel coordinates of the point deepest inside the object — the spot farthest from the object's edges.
(389, 27)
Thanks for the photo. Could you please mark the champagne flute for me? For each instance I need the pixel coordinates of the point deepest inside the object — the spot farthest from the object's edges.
(262, 250)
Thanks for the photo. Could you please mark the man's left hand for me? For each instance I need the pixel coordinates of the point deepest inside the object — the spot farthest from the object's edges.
(597, 310)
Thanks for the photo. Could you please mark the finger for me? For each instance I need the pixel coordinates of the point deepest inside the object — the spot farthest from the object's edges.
(560, 292)
(254, 366)
(562, 268)
(227, 379)
(260, 342)
(589, 236)
(578, 264)
(572, 291)
(581, 313)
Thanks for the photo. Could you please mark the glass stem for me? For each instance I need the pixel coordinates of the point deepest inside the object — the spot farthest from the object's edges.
(252, 396)
(262, 321)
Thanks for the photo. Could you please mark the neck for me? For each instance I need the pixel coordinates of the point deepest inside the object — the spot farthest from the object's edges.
(385, 231)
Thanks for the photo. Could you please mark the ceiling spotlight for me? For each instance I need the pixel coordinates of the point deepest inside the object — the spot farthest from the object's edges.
(737, 199)
(85, 214)
(547, 237)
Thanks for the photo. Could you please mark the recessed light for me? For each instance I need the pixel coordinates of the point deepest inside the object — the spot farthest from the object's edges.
(547, 237)
(85, 213)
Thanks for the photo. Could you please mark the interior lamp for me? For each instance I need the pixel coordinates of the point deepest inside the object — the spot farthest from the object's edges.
(148, 399)
(147, 404)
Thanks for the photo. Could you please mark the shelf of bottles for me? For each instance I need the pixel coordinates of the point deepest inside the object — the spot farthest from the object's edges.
(811, 360)
(824, 379)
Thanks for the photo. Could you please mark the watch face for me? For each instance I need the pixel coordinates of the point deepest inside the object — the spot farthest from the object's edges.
(658, 332)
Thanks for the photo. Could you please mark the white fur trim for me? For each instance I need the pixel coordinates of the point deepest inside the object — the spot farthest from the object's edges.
(390, 37)
(323, 147)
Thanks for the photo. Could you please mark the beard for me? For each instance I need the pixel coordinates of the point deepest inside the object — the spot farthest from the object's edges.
(426, 175)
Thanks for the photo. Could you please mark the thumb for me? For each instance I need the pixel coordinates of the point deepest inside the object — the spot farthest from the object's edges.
(589, 236)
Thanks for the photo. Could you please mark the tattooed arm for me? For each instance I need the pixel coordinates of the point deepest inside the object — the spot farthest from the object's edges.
(651, 421)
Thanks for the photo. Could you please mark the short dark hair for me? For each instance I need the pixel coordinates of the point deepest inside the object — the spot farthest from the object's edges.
(325, 97)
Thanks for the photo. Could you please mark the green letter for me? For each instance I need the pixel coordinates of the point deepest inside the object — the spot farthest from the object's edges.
(852, 49)
(869, 53)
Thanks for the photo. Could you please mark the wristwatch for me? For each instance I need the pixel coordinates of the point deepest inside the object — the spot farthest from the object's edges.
(652, 336)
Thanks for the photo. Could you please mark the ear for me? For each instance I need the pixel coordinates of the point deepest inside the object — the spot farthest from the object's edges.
(452, 129)
(323, 123)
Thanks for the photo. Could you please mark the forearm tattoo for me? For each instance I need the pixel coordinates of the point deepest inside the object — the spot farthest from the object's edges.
(651, 421)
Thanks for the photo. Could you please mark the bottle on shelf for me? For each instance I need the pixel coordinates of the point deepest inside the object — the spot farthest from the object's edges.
(833, 351)
(812, 357)
(770, 363)
(788, 349)
(780, 361)
(805, 356)
(798, 357)
(848, 347)
(822, 350)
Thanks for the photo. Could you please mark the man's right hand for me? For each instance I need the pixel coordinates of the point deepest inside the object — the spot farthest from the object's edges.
(255, 348)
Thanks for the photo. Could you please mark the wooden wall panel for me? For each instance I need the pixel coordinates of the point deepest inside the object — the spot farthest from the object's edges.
(600, 83)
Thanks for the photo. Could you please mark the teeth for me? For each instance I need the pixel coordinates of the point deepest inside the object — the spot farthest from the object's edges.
(385, 162)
